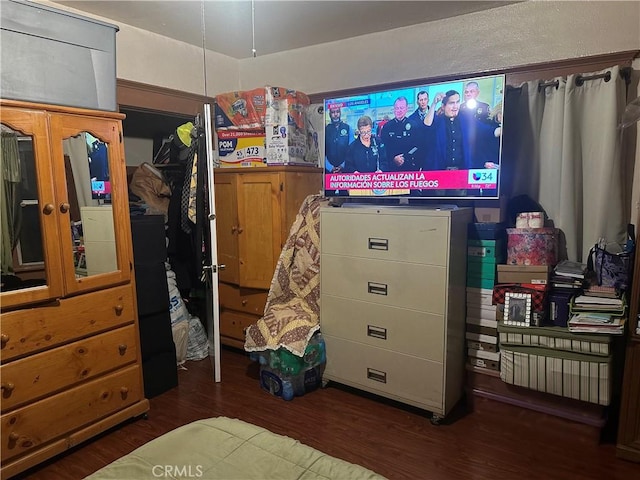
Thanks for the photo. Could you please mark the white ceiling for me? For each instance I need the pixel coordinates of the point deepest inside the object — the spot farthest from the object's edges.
(278, 25)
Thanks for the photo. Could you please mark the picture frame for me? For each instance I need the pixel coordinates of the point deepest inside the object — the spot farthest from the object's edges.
(517, 309)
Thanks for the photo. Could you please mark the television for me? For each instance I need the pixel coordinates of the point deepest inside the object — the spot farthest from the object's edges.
(426, 141)
(101, 190)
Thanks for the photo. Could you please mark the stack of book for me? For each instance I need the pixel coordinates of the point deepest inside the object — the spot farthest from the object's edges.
(598, 312)
(594, 322)
(569, 275)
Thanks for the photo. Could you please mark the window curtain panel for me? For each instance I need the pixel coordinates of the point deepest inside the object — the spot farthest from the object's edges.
(9, 193)
(562, 148)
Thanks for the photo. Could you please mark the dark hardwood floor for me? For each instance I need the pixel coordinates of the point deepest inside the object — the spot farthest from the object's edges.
(494, 441)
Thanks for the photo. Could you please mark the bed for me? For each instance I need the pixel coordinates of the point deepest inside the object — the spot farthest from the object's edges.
(227, 448)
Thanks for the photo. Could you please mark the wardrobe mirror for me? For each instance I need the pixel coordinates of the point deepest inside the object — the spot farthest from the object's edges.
(22, 258)
(91, 220)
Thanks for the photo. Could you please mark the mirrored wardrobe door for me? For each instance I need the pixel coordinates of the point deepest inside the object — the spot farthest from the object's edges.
(87, 152)
(30, 262)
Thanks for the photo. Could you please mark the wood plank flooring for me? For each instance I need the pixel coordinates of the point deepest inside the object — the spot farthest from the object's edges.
(494, 441)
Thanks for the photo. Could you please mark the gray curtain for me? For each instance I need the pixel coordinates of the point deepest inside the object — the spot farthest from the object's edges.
(562, 145)
(9, 196)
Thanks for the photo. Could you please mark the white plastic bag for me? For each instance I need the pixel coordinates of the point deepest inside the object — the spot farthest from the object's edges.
(177, 308)
(198, 347)
(180, 333)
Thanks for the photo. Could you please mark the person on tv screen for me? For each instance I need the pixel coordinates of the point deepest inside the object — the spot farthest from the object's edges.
(459, 142)
(365, 154)
(401, 139)
(473, 106)
(336, 135)
(423, 107)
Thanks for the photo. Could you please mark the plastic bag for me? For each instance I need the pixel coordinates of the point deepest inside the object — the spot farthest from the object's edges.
(180, 333)
(177, 309)
(198, 346)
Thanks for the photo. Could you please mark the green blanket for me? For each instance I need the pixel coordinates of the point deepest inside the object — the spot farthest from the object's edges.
(226, 448)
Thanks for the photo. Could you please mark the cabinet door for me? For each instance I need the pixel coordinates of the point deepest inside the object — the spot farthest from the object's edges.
(259, 227)
(31, 264)
(227, 226)
(93, 216)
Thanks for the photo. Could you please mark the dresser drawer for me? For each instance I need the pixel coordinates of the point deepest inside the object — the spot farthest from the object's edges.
(406, 378)
(33, 329)
(30, 427)
(406, 238)
(233, 324)
(407, 285)
(54, 370)
(401, 330)
(248, 300)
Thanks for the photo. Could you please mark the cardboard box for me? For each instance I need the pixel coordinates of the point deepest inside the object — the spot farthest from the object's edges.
(482, 296)
(492, 211)
(487, 347)
(536, 274)
(241, 148)
(480, 269)
(286, 128)
(240, 110)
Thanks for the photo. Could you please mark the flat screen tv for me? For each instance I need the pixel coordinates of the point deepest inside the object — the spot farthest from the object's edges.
(432, 141)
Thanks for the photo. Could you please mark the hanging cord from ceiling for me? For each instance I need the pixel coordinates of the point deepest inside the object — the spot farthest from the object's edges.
(253, 28)
(204, 49)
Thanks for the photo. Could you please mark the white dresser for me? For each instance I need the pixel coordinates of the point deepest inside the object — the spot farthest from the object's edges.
(393, 301)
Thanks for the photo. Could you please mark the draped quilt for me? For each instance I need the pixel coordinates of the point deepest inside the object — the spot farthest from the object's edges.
(292, 311)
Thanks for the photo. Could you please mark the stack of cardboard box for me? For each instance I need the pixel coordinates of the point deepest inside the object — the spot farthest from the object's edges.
(485, 250)
(261, 127)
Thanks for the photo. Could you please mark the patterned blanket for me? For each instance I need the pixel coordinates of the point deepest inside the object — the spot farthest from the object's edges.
(293, 309)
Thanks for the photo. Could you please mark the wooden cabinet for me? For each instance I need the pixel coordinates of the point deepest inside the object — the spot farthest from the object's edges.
(255, 209)
(70, 347)
(392, 293)
(629, 426)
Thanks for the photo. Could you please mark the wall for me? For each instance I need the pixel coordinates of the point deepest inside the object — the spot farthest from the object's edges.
(138, 150)
(512, 35)
(508, 36)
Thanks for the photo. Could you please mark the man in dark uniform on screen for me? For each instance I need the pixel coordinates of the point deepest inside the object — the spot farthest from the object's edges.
(472, 106)
(336, 139)
(401, 139)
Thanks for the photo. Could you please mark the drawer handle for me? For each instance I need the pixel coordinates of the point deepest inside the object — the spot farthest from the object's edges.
(14, 437)
(244, 303)
(122, 349)
(377, 375)
(377, 332)
(377, 288)
(378, 244)
(119, 309)
(124, 391)
(7, 388)
(4, 339)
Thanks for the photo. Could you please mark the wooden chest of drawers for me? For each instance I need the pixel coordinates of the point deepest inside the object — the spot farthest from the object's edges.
(392, 311)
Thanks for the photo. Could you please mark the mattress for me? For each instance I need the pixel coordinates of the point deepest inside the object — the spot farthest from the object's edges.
(226, 448)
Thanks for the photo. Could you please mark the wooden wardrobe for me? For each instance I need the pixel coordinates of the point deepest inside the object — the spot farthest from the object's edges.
(70, 347)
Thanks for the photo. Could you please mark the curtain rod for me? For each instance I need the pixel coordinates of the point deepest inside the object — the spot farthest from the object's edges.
(625, 72)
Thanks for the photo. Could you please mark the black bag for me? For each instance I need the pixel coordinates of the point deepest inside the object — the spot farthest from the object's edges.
(613, 269)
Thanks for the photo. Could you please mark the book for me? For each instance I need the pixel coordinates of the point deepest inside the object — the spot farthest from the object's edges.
(567, 268)
(591, 300)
